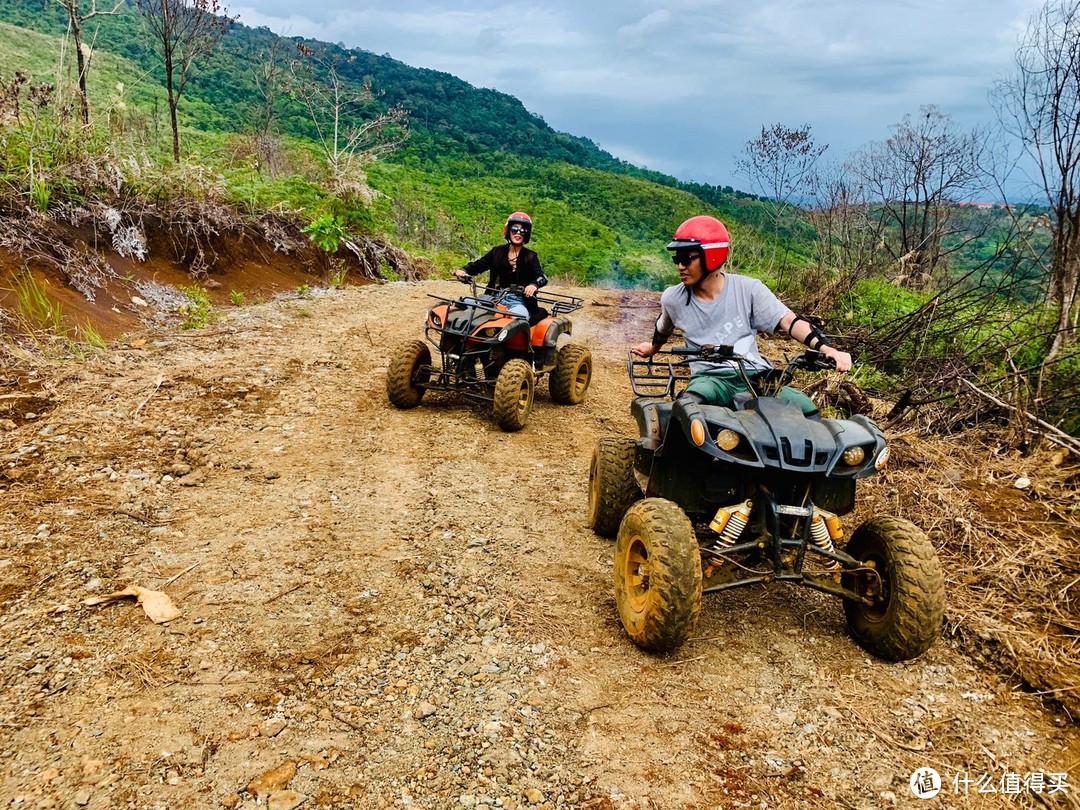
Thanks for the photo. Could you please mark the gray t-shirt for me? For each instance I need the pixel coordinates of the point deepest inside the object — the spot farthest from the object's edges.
(744, 307)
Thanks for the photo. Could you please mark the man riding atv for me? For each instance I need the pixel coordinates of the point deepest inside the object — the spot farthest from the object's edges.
(714, 308)
(738, 481)
(512, 265)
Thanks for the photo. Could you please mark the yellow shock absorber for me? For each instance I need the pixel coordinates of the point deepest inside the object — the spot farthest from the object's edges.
(824, 530)
(819, 532)
(730, 521)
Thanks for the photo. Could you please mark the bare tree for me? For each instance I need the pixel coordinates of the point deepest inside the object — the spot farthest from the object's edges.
(919, 175)
(270, 73)
(76, 18)
(847, 239)
(1040, 105)
(336, 107)
(182, 31)
(779, 163)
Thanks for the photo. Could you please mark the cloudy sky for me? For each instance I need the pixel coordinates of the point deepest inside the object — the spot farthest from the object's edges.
(680, 86)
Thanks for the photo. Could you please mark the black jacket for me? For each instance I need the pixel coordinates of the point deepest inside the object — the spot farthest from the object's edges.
(502, 274)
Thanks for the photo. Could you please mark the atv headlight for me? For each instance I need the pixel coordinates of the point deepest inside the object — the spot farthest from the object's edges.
(853, 456)
(727, 439)
(488, 332)
(436, 321)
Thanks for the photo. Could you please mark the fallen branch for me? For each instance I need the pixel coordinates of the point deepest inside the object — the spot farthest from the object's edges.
(683, 661)
(175, 577)
(285, 592)
(148, 396)
(1064, 438)
(885, 737)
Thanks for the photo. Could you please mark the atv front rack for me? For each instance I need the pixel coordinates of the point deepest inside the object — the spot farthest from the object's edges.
(661, 376)
(667, 372)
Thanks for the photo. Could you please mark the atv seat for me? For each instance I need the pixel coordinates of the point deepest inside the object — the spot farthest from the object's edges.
(538, 314)
(652, 417)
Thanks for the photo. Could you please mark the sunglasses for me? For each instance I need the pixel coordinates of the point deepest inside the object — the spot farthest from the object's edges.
(518, 229)
(684, 257)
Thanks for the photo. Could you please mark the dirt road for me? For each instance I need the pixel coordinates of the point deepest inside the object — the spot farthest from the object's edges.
(386, 608)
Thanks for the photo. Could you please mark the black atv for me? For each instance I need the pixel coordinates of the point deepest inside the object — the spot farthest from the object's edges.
(490, 354)
(752, 494)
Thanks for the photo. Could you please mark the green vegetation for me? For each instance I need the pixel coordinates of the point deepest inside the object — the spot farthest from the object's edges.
(250, 149)
(196, 312)
(35, 306)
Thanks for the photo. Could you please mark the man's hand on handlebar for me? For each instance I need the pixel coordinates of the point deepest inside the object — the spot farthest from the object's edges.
(462, 276)
(646, 349)
(841, 359)
(530, 290)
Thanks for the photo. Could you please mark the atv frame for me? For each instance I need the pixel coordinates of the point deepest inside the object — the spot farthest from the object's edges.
(753, 494)
(488, 353)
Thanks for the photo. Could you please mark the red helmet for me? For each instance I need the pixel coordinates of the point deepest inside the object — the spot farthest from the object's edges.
(521, 218)
(706, 233)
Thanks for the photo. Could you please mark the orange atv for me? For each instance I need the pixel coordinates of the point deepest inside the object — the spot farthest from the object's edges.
(491, 354)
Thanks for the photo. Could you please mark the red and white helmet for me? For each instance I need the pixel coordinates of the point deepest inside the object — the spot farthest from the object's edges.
(520, 218)
(707, 234)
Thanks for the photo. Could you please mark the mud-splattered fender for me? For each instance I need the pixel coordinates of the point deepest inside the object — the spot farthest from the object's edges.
(553, 329)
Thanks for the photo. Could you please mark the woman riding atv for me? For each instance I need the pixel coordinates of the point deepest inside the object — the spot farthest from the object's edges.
(511, 265)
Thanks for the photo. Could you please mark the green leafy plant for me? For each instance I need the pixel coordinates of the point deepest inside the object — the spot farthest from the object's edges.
(196, 312)
(303, 291)
(237, 298)
(326, 231)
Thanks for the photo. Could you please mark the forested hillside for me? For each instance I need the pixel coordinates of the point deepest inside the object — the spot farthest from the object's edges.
(456, 132)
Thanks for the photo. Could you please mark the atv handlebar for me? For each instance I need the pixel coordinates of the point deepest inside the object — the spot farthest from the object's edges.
(810, 360)
(556, 303)
(662, 374)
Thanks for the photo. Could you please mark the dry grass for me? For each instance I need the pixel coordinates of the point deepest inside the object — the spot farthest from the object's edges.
(1011, 552)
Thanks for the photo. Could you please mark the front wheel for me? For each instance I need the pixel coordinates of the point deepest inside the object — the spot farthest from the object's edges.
(657, 575)
(908, 590)
(571, 376)
(612, 487)
(408, 373)
(514, 395)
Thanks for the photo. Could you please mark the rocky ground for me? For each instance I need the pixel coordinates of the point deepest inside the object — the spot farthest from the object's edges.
(384, 608)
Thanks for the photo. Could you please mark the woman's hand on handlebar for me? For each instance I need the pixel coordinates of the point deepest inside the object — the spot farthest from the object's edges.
(646, 349)
(530, 290)
(461, 275)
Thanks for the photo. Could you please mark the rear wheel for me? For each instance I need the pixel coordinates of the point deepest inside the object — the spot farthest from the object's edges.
(573, 371)
(612, 487)
(514, 395)
(908, 591)
(408, 373)
(657, 575)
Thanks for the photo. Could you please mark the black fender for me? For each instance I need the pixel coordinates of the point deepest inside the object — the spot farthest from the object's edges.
(556, 329)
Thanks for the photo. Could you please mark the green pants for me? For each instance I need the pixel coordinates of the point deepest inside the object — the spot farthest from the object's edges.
(720, 388)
